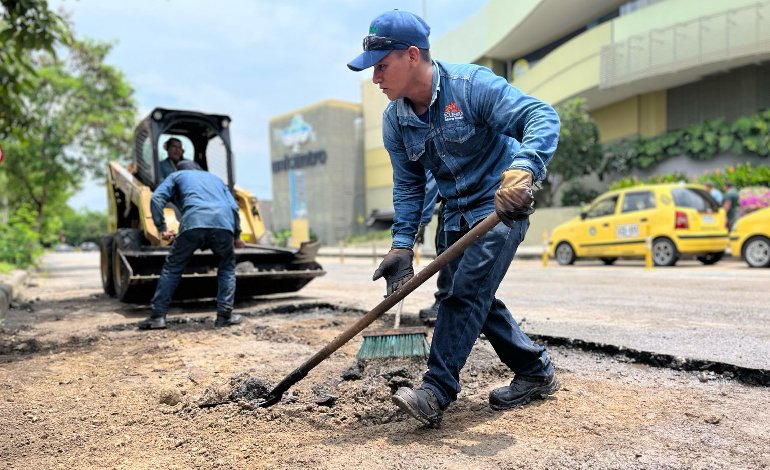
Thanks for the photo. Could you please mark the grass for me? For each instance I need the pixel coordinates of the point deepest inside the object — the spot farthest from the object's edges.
(369, 236)
(6, 267)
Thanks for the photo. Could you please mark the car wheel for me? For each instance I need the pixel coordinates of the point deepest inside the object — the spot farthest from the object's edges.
(565, 255)
(711, 258)
(608, 261)
(664, 252)
(756, 252)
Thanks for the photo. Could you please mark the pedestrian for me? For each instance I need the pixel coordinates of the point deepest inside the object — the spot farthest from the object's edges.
(428, 315)
(486, 143)
(731, 203)
(714, 192)
(209, 220)
(175, 152)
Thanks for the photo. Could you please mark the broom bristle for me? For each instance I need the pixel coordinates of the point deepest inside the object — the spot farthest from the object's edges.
(394, 343)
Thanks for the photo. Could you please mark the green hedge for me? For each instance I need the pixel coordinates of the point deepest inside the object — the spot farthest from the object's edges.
(742, 175)
(703, 141)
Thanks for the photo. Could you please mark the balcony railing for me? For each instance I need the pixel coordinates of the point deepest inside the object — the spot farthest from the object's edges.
(732, 34)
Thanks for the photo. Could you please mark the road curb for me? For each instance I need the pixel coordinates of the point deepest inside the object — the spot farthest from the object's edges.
(10, 287)
(747, 375)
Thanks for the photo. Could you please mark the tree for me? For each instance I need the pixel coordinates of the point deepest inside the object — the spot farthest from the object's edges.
(79, 117)
(26, 27)
(579, 152)
(83, 226)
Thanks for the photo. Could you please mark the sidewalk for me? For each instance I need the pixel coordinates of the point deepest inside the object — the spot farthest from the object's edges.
(524, 252)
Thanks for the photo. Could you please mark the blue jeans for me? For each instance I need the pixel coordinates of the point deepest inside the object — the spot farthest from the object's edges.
(444, 280)
(220, 241)
(472, 308)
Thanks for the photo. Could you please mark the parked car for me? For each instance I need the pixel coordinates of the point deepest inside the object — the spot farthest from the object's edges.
(63, 247)
(89, 246)
(681, 219)
(750, 238)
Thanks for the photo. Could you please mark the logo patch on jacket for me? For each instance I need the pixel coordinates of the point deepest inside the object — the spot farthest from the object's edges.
(452, 112)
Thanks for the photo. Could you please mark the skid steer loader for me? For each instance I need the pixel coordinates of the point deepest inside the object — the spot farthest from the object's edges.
(132, 253)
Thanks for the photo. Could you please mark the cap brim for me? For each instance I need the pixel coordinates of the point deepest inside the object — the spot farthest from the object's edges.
(367, 59)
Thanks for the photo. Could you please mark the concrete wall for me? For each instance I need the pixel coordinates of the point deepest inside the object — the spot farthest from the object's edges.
(378, 172)
(639, 115)
(569, 70)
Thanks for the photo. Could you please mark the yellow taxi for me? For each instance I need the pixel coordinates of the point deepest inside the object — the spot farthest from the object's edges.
(680, 219)
(750, 238)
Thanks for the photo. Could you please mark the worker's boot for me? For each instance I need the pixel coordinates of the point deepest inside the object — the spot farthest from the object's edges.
(227, 320)
(428, 315)
(420, 403)
(521, 391)
(153, 322)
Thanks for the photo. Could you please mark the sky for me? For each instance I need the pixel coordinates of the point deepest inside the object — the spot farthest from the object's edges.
(250, 59)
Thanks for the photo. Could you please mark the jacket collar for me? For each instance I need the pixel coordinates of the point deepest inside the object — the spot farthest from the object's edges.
(404, 110)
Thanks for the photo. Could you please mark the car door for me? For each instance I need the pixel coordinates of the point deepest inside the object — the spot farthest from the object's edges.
(595, 232)
(629, 227)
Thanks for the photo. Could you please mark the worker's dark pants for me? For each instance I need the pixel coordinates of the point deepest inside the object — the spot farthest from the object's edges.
(220, 241)
(444, 280)
(472, 308)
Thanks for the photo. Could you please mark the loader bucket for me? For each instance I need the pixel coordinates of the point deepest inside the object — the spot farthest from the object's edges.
(260, 270)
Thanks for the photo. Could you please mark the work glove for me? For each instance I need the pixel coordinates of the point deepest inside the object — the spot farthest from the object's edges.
(514, 199)
(396, 268)
(420, 237)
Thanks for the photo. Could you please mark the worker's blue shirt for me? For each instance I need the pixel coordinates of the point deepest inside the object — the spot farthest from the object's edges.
(203, 198)
(478, 126)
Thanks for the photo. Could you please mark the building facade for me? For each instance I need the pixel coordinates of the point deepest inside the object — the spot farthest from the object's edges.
(644, 67)
(316, 156)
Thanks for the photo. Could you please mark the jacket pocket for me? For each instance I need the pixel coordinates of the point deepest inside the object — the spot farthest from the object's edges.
(415, 150)
(458, 132)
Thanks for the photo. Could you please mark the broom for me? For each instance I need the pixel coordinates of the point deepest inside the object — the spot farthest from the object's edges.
(405, 342)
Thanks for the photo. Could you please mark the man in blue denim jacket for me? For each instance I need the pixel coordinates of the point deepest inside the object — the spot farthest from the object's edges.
(486, 143)
(209, 220)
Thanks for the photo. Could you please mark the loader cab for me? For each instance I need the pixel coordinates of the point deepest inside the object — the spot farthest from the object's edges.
(205, 139)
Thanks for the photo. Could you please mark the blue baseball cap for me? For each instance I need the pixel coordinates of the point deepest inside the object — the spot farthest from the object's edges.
(391, 31)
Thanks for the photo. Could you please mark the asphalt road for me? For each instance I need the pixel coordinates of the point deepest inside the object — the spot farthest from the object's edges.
(715, 313)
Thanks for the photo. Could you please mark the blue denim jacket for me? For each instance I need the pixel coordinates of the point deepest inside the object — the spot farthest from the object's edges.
(431, 194)
(205, 202)
(478, 126)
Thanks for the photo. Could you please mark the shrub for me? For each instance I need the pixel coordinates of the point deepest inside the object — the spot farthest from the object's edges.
(576, 194)
(19, 243)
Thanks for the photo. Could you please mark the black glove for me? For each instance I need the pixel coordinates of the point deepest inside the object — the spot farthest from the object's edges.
(514, 199)
(396, 268)
(419, 239)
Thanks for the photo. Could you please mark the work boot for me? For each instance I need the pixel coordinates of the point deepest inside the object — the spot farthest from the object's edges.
(153, 322)
(521, 391)
(227, 320)
(421, 404)
(428, 315)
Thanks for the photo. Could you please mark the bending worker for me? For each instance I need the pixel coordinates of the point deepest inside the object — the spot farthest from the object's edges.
(209, 220)
(486, 143)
